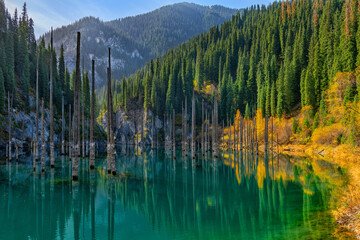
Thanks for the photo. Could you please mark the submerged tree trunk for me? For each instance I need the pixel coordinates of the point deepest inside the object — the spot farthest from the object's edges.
(185, 129)
(266, 136)
(206, 138)
(62, 125)
(83, 125)
(52, 154)
(241, 130)
(36, 151)
(173, 135)
(202, 128)
(110, 144)
(153, 132)
(92, 116)
(69, 134)
(10, 124)
(214, 128)
(43, 144)
(193, 127)
(76, 124)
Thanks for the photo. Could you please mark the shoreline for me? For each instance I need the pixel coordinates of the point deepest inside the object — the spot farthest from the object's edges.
(347, 199)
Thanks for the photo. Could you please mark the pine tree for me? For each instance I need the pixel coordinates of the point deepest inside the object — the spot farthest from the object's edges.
(147, 91)
(10, 83)
(62, 70)
(199, 71)
(170, 94)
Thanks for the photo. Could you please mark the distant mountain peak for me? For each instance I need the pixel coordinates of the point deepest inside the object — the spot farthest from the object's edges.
(137, 39)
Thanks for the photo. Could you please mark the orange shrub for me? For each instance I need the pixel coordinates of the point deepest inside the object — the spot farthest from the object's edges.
(332, 134)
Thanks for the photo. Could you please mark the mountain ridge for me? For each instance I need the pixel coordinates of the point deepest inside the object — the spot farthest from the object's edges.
(133, 41)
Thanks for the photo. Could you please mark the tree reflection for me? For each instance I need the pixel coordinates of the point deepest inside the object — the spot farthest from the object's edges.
(162, 198)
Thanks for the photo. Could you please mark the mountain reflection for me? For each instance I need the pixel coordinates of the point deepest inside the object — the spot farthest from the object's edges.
(156, 197)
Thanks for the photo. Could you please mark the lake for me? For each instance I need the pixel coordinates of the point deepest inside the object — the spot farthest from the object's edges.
(157, 197)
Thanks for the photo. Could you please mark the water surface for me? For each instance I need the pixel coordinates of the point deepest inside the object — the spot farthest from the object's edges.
(156, 197)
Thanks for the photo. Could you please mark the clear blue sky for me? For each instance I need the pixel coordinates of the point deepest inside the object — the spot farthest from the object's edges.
(56, 13)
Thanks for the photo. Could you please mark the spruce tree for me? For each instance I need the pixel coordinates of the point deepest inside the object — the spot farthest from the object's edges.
(62, 73)
(199, 74)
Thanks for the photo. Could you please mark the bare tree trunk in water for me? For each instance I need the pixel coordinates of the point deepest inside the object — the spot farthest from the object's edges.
(76, 123)
(202, 127)
(169, 126)
(193, 127)
(143, 119)
(10, 122)
(241, 136)
(83, 126)
(153, 132)
(62, 125)
(234, 136)
(92, 116)
(110, 145)
(182, 129)
(17, 152)
(185, 129)
(215, 122)
(43, 144)
(173, 135)
(229, 135)
(52, 154)
(266, 136)
(70, 131)
(272, 137)
(36, 114)
(206, 133)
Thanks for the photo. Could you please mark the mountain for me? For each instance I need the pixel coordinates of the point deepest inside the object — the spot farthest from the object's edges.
(136, 40)
(169, 26)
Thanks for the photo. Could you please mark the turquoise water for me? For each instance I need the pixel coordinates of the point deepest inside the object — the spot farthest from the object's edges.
(156, 197)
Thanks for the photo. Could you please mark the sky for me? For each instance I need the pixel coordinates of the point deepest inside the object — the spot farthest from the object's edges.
(57, 13)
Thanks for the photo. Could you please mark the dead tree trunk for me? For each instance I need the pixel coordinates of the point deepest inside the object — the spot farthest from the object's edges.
(43, 144)
(110, 145)
(185, 129)
(182, 129)
(52, 154)
(193, 127)
(143, 120)
(69, 134)
(241, 133)
(272, 137)
(266, 135)
(37, 113)
(234, 136)
(76, 124)
(92, 116)
(173, 135)
(153, 132)
(229, 135)
(83, 125)
(256, 139)
(202, 128)
(10, 124)
(206, 144)
(214, 128)
(62, 125)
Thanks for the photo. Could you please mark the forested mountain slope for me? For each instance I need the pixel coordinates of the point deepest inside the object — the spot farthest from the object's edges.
(275, 58)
